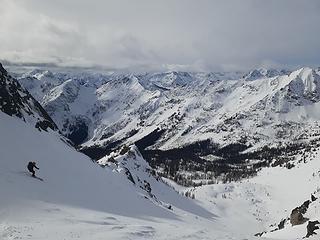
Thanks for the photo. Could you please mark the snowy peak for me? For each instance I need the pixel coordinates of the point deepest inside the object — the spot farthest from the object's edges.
(17, 101)
(264, 73)
(177, 78)
(132, 83)
(254, 74)
(166, 81)
(42, 75)
(69, 90)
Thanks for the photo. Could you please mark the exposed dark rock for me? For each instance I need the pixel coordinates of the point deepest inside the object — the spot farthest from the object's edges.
(313, 198)
(44, 125)
(281, 224)
(304, 207)
(259, 234)
(129, 175)
(311, 227)
(147, 186)
(296, 217)
(2, 70)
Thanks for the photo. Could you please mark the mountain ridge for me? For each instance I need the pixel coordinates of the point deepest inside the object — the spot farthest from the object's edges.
(158, 94)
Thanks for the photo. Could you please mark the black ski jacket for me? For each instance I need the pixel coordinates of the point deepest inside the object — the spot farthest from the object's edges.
(32, 165)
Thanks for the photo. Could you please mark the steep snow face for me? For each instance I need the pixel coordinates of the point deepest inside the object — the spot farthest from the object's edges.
(264, 107)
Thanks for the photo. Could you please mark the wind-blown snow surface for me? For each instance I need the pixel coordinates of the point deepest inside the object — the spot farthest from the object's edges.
(78, 199)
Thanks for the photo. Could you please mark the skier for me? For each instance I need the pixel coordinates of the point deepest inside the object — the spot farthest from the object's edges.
(31, 166)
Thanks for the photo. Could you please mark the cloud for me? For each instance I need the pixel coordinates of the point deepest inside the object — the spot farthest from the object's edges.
(204, 35)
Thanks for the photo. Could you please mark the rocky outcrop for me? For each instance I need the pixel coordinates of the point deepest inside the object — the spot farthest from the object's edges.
(311, 227)
(2, 70)
(281, 224)
(296, 217)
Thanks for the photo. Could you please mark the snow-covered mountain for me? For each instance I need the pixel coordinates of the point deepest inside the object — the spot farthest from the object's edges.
(119, 107)
(263, 107)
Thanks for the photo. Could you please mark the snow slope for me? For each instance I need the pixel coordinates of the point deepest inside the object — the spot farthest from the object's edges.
(77, 197)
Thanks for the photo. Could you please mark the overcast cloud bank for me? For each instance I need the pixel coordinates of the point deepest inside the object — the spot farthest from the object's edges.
(203, 35)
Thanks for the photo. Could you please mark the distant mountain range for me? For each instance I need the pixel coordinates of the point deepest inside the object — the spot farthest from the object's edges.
(96, 109)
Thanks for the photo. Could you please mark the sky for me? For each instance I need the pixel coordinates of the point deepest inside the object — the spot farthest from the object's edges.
(150, 35)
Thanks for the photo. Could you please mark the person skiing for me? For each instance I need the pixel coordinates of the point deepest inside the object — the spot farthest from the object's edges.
(31, 166)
